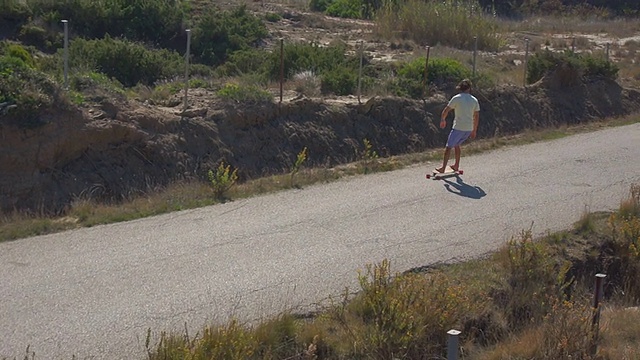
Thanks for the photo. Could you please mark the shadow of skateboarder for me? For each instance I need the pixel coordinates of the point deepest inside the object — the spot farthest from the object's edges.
(459, 187)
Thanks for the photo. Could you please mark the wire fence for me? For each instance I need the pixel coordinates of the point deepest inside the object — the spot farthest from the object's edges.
(519, 55)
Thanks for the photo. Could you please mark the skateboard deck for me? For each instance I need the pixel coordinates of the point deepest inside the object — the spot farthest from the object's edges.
(448, 172)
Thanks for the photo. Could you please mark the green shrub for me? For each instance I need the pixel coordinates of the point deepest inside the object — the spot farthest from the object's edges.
(222, 180)
(345, 9)
(300, 57)
(128, 62)
(244, 93)
(27, 90)
(441, 72)
(588, 65)
(249, 61)
(219, 33)
(272, 17)
(19, 52)
(339, 81)
(319, 5)
(157, 22)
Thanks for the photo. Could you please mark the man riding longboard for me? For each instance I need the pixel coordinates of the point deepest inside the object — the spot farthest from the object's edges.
(465, 124)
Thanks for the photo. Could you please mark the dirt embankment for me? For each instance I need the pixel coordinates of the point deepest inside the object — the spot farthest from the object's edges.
(120, 148)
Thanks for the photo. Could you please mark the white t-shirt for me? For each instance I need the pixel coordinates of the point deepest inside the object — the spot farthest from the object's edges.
(464, 105)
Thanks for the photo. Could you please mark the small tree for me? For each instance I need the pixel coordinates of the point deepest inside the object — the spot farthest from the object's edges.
(222, 180)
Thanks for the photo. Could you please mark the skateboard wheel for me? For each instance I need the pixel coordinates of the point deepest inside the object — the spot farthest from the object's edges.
(461, 172)
(428, 176)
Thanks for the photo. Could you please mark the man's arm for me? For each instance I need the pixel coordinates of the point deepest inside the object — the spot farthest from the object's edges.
(443, 117)
(476, 120)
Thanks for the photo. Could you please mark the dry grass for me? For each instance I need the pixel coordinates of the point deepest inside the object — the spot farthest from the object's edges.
(620, 334)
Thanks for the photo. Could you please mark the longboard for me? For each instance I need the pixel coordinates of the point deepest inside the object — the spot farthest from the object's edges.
(448, 172)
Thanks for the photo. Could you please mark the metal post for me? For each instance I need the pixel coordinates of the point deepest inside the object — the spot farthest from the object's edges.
(66, 54)
(426, 72)
(186, 69)
(281, 66)
(360, 71)
(452, 344)
(526, 59)
(475, 53)
(595, 322)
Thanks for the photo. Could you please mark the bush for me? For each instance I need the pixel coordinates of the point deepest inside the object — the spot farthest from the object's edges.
(319, 5)
(128, 62)
(300, 57)
(588, 65)
(244, 93)
(28, 90)
(218, 34)
(157, 22)
(345, 9)
(441, 73)
(339, 81)
(272, 17)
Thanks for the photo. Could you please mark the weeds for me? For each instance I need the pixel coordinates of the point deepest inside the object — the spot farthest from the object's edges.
(222, 180)
(368, 156)
(300, 159)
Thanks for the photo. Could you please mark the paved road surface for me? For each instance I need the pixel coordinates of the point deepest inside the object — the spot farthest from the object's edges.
(94, 292)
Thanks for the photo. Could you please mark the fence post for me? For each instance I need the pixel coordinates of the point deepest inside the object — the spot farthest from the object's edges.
(360, 70)
(186, 70)
(281, 66)
(452, 344)
(426, 73)
(66, 54)
(595, 321)
(526, 59)
(475, 54)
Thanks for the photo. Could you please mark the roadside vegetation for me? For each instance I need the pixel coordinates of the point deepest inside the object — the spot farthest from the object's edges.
(532, 299)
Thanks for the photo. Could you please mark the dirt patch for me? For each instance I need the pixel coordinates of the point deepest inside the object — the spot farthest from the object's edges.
(112, 149)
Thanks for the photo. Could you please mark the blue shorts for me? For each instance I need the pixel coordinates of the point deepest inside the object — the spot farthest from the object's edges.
(457, 137)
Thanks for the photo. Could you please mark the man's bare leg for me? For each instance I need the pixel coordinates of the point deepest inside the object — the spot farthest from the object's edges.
(447, 152)
(456, 165)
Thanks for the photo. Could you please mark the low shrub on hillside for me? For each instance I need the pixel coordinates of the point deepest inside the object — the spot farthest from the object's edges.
(220, 33)
(345, 9)
(575, 65)
(24, 91)
(151, 21)
(128, 62)
(441, 73)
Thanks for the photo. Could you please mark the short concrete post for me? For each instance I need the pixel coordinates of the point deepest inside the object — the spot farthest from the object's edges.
(66, 54)
(452, 344)
(425, 84)
(187, 54)
(475, 53)
(360, 70)
(526, 59)
(595, 321)
(281, 68)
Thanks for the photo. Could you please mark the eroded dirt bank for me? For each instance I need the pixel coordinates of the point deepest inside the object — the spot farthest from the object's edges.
(116, 148)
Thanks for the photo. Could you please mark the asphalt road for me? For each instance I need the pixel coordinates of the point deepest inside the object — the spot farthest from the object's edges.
(94, 292)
